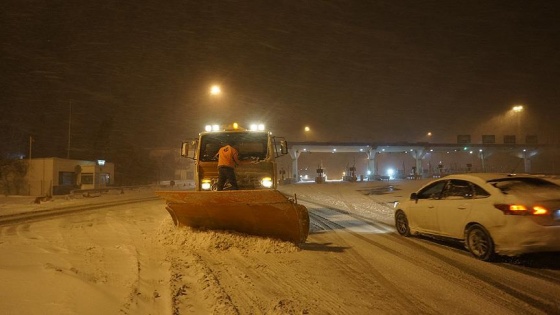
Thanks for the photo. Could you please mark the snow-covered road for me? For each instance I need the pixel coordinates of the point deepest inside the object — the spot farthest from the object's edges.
(129, 259)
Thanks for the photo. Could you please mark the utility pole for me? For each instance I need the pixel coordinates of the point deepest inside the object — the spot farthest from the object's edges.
(69, 130)
(30, 146)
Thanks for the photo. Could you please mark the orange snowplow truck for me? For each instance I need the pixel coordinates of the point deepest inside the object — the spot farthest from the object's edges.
(257, 208)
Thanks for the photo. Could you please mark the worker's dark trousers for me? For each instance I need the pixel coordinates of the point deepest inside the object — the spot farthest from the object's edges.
(226, 174)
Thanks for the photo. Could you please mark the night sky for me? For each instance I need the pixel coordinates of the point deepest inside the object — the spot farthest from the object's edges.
(136, 74)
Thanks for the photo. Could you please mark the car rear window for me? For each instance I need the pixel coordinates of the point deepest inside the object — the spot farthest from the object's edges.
(479, 192)
(522, 184)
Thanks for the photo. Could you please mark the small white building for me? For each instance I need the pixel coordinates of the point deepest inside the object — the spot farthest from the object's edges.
(56, 176)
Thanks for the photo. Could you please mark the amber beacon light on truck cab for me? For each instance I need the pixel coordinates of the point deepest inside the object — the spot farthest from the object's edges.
(258, 151)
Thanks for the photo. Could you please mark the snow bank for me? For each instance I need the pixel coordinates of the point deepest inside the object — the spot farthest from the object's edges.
(21, 204)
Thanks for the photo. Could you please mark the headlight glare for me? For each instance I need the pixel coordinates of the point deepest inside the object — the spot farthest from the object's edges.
(266, 182)
(206, 185)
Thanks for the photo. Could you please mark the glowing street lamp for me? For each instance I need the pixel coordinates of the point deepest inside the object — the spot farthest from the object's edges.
(429, 135)
(306, 130)
(215, 90)
(518, 108)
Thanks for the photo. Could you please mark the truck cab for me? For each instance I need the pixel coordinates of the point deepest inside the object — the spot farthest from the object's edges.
(258, 151)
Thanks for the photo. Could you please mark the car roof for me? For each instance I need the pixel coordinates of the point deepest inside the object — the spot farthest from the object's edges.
(486, 177)
(477, 176)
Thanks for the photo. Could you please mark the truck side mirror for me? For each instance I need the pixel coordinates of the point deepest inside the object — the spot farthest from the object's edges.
(188, 149)
(185, 149)
(284, 147)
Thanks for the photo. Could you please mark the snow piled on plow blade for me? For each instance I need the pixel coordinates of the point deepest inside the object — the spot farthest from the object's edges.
(265, 213)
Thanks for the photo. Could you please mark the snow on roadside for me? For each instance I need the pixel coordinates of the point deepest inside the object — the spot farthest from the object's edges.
(20, 204)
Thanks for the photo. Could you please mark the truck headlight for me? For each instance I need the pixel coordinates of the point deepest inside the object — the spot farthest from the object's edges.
(206, 184)
(266, 182)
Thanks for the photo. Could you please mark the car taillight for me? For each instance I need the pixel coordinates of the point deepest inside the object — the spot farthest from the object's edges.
(521, 209)
(540, 210)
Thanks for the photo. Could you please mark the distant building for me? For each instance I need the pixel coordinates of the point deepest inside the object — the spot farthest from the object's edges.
(56, 176)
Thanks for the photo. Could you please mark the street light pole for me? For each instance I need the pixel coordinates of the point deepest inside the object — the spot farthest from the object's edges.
(69, 130)
(518, 109)
(30, 146)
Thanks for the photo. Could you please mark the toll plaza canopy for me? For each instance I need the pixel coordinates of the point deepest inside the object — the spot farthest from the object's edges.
(417, 150)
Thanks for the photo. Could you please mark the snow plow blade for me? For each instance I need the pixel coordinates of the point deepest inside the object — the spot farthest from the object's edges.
(257, 212)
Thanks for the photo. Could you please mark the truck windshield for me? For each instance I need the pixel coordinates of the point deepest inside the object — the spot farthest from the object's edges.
(251, 145)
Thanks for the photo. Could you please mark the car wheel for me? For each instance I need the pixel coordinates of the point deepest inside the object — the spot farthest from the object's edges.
(401, 223)
(479, 243)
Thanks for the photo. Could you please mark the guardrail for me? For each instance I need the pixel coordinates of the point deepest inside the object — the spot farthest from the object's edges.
(96, 192)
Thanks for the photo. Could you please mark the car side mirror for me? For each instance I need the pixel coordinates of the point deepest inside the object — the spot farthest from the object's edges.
(414, 196)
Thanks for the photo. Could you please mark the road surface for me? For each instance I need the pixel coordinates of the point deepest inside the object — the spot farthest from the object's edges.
(129, 259)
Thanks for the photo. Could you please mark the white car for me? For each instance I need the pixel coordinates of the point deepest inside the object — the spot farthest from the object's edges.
(491, 213)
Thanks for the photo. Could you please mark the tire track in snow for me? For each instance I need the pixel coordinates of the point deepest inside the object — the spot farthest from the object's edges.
(548, 305)
(195, 287)
(407, 302)
(433, 269)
